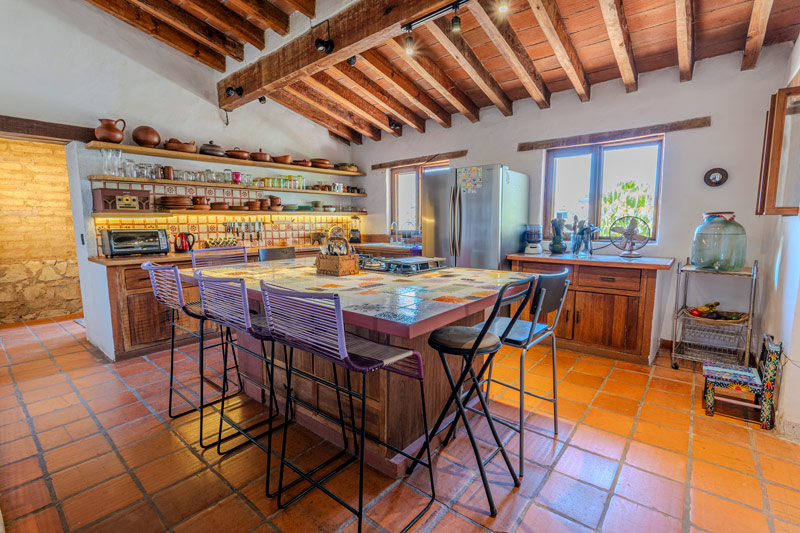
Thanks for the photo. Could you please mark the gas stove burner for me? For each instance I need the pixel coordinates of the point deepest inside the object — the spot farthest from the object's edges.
(406, 266)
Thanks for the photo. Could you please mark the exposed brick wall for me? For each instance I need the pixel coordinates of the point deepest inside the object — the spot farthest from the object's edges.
(38, 267)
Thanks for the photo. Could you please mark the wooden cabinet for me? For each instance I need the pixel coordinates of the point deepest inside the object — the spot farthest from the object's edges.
(608, 309)
(148, 320)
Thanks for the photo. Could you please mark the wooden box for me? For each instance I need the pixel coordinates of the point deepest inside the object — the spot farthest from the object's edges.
(337, 265)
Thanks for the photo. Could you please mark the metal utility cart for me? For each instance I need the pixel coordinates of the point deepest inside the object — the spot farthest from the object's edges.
(707, 340)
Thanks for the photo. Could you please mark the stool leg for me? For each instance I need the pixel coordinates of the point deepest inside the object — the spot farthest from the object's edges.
(521, 412)
(766, 409)
(361, 448)
(555, 383)
(709, 396)
(224, 391)
(451, 433)
(172, 361)
(430, 463)
(289, 361)
(352, 411)
(339, 404)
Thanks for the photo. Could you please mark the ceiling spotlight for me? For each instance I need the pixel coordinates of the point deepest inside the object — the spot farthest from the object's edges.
(262, 99)
(351, 61)
(323, 45)
(230, 91)
(394, 125)
(455, 24)
(409, 44)
(502, 6)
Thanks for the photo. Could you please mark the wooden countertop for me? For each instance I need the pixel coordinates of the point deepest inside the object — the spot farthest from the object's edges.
(129, 260)
(639, 263)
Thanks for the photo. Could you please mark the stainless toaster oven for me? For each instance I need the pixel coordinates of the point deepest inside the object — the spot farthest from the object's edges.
(134, 241)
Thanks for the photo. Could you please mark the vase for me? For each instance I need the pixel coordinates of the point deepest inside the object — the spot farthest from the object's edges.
(108, 131)
(720, 243)
(557, 246)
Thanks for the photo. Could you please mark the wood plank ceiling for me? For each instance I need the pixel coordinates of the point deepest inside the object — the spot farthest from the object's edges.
(208, 30)
(533, 49)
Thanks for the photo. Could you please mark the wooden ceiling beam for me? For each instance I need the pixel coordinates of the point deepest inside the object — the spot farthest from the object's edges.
(222, 18)
(684, 21)
(407, 87)
(756, 33)
(620, 38)
(306, 7)
(316, 115)
(329, 87)
(457, 47)
(362, 26)
(380, 97)
(549, 18)
(267, 14)
(335, 111)
(513, 51)
(192, 26)
(433, 74)
(165, 33)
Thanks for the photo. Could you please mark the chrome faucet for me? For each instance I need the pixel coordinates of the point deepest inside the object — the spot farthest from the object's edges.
(392, 231)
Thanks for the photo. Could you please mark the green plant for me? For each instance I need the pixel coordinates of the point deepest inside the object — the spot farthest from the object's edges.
(627, 199)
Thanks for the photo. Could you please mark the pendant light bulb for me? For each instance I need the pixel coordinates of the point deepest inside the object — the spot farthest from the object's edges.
(455, 24)
(409, 44)
(502, 6)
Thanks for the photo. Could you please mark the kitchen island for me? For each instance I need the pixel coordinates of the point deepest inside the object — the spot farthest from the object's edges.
(392, 309)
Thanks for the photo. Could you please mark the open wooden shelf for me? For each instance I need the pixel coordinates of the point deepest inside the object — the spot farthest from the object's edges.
(125, 179)
(173, 212)
(172, 154)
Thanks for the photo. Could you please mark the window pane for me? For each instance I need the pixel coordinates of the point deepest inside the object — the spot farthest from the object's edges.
(406, 184)
(629, 184)
(571, 185)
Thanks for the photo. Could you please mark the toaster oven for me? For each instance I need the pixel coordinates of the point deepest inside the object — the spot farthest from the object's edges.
(134, 241)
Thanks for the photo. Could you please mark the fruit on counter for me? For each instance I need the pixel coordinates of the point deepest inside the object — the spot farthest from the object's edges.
(695, 312)
(708, 308)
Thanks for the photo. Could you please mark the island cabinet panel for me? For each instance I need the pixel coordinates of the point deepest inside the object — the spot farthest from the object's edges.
(148, 320)
(608, 309)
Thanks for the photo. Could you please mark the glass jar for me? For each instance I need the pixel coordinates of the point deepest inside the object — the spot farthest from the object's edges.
(111, 161)
(720, 243)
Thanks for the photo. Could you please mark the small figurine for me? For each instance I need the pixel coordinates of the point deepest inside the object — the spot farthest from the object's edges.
(557, 245)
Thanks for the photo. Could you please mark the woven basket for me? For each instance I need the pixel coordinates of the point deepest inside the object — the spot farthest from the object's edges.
(337, 265)
(712, 322)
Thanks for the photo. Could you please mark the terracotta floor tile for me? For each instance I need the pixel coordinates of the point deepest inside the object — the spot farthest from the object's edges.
(180, 501)
(140, 518)
(538, 448)
(117, 493)
(782, 526)
(627, 376)
(450, 479)
(396, 509)
(720, 453)
(601, 442)
(86, 474)
(576, 393)
(784, 502)
(454, 522)
(665, 417)
(624, 515)
(651, 490)
(134, 431)
(47, 392)
(585, 380)
(669, 373)
(656, 460)
(17, 449)
(46, 520)
(587, 467)
(150, 449)
(715, 514)
(573, 498)
(15, 430)
(123, 415)
(665, 399)
(11, 415)
(19, 473)
(242, 467)
(566, 409)
(672, 386)
(545, 370)
(60, 417)
(772, 445)
(76, 452)
(591, 368)
(715, 429)
(170, 469)
(541, 519)
(219, 518)
(111, 401)
(662, 436)
(728, 483)
(781, 471)
(24, 499)
(618, 404)
(621, 388)
(609, 421)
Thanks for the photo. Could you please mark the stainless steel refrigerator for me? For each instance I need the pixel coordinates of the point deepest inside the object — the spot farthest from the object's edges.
(474, 216)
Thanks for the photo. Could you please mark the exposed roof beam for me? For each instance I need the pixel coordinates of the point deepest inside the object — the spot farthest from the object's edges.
(620, 38)
(409, 89)
(225, 20)
(508, 44)
(333, 110)
(433, 74)
(306, 7)
(165, 33)
(457, 47)
(362, 26)
(315, 115)
(267, 14)
(192, 26)
(549, 18)
(383, 99)
(323, 83)
(756, 33)
(684, 21)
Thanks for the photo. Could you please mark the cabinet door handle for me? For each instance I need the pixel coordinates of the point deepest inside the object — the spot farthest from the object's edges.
(608, 278)
(566, 315)
(577, 316)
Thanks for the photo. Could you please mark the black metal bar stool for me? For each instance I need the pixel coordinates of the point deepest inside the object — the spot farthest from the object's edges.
(468, 343)
(313, 322)
(168, 290)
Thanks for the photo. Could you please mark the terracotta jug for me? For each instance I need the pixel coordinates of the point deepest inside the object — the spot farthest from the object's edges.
(108, 131)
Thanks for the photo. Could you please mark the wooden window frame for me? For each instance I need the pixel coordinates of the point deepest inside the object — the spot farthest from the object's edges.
(597, 151)
(767, 200)
(417, 170)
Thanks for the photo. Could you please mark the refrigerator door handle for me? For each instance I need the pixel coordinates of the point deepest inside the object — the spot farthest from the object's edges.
(460, 225)
(450, 222)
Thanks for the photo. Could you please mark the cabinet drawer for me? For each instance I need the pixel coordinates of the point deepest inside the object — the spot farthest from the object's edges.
(545, 268)
(610, 278)
(136, 278)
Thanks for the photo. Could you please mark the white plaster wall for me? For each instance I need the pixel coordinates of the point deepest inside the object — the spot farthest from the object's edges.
(735, 100)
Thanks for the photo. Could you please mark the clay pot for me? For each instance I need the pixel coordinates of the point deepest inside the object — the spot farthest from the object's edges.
(260, 156)
(108, 131)
(146, 136)
(212, 149)
(236, 153)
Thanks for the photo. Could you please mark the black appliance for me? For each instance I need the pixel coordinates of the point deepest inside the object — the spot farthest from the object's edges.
(117, 242)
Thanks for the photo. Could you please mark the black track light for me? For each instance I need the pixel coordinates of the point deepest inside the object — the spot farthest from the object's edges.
(323, 45)
(230, 91)
(455, 23)
(409, 44)
(262, 99)
(351, 61)
(394, 125)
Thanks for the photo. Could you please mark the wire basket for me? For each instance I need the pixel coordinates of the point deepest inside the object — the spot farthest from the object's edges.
(717, 342)
(743, 317)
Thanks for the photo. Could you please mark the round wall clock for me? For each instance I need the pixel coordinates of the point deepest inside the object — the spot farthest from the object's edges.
(716, 177)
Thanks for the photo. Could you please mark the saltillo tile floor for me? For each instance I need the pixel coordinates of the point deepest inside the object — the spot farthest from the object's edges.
(88, 446)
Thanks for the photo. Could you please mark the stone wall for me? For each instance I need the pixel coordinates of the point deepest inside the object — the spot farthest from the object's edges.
(38, 267)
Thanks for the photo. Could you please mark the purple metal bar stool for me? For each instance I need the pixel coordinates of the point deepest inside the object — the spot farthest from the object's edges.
(313, 322)
(225, 302)
(205, 257)
(470, 342)
(168, 290)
